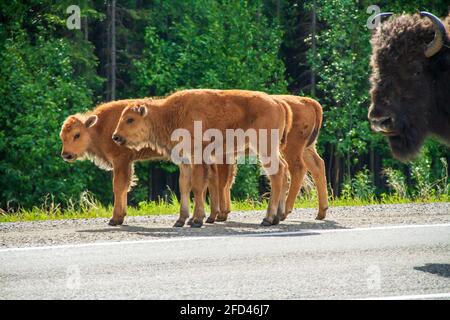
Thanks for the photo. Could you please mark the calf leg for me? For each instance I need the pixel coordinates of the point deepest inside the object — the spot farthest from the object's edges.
(122, 174)
(281, 214)
(214, 194)
(199, 180)
(185, 191)
(277, 183)
(297, 169)
(316, 166)
(226, 173)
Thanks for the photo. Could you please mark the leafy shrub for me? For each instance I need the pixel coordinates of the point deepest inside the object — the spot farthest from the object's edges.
(212, 44)
(39, 88)
(359, 187)
(397, 182)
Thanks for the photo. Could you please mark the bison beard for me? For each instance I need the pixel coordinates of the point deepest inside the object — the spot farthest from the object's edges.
(407, 144)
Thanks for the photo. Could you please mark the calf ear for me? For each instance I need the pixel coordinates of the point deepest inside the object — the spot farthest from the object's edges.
(142, 110)
(91, 121)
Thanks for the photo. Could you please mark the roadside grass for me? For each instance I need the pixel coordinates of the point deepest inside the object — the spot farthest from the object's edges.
(88, 207)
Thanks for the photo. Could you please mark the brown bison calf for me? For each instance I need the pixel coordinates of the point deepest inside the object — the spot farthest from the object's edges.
(152, 124)
(300, 153)
(81, 140)
(89, 136)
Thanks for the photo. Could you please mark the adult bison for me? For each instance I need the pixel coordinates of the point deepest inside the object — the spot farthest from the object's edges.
(411, 82)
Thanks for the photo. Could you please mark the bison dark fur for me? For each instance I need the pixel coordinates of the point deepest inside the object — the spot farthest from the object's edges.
(410, 91)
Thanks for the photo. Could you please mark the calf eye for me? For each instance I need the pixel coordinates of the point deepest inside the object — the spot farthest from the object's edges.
(75, 137)
(130, 120)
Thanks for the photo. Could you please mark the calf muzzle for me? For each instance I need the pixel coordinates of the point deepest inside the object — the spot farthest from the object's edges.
(68, 156)
(118, 139)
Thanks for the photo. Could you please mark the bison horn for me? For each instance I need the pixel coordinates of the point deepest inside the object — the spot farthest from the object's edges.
(377, 18)
(440, 35)
(383, 15)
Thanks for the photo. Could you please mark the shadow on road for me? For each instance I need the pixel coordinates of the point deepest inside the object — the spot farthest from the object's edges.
(228, 228)
(440, 269)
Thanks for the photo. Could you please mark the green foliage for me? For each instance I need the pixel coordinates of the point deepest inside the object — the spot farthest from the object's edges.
(342, 63)
(89, 207)
(43, 80)
(397, 182)
(426, 183)
(212, 44)
(246, 185)
(48, 72)
(359, 187)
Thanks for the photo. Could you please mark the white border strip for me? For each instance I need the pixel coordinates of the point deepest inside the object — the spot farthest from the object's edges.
(259, 234)
(412, 297)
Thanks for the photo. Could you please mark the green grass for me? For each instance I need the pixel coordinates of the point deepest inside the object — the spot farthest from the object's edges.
(88, 207)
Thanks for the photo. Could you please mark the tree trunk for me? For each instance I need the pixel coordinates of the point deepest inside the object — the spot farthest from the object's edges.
(278, 9)
(113, 49)
(372, 164)
(336, 175)
(111, 39)
(86, 29)
(313, 47)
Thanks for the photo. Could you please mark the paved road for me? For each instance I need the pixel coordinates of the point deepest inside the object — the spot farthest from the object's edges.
(409, 260)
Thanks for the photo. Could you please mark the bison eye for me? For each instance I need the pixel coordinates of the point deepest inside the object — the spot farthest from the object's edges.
(77, 136)
(130, 120)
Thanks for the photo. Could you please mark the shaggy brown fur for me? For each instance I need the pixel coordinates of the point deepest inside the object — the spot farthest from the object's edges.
(151, 124)
(300, 154)
(410, 92)
(89, 136)
(96, 144)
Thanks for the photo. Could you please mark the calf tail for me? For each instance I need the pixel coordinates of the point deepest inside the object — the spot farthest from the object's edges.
(318, 122)
(287, 123)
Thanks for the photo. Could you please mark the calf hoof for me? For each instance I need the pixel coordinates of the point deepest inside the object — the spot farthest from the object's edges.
(178, 224)
(276, 220)
(266, 222)
(284, 216)
(321, 215)
(115, 222)
(221, 218)
(189, 223)
(196, 223)
(210, 220)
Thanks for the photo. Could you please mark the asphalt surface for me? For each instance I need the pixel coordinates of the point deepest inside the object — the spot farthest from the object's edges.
(386, 252)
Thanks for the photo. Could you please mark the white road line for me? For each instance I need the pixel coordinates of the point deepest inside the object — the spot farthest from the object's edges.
(412, 297)
(407, 226)
(264, 234)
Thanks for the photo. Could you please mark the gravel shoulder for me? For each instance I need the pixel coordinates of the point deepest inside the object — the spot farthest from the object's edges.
(57, 232)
